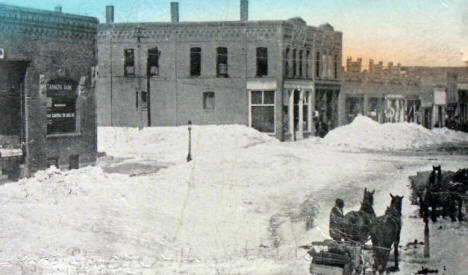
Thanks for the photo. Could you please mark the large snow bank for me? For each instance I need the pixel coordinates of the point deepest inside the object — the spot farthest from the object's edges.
(171, 143)
(365, 133)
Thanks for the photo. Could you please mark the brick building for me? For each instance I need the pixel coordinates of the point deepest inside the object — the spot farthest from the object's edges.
(46, 96)
(389, 93)
(384, 93)
(270, 75)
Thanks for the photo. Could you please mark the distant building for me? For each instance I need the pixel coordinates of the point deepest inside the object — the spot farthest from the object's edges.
(273, 76)
(47, 107)
(384, 93)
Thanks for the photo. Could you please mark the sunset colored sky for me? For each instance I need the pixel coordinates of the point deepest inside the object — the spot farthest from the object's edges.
(411, 32)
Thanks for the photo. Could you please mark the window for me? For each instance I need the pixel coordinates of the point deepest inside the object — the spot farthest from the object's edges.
(262, 111)
(286, 63)
(141, 98)
(74, 162)
(294, 69)
(129, 62)
(335, 66)
(153, 62)
(208, 101)
(195, 61)
(307, 64)
(317, 64)
(262, 62)
(222, 62)
(53, 162)
(300, 63)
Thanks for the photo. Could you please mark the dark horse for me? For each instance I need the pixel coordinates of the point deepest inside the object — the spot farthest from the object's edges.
(439, 193)
(356, 223)
(385, 231)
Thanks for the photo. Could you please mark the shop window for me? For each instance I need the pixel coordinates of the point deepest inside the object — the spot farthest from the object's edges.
(262, 111)
(317, 64)
(222, 62)
(153, 62)
(262, 61)
(208, 101)
(294, 60)
(61, 107)
(195, 61)
(129, 62)
(74, 162)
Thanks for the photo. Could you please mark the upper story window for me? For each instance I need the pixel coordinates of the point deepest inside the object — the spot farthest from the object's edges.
(262, 61)
(129, 62)
(286, 62)
(317, 64)
(222, 62)
(294, 65)
(195, 61)
(336, 66)
(307, 65)
(153, 62)
(300, 63)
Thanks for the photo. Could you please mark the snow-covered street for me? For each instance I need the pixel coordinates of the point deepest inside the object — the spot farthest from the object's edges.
(240, 207)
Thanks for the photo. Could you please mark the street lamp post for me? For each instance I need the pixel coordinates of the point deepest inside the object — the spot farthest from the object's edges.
(189, 156)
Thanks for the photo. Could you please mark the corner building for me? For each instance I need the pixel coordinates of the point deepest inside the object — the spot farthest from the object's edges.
(270, 75)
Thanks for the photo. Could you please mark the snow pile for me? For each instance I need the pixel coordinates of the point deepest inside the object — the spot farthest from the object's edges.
(365, 133)
(171, 143)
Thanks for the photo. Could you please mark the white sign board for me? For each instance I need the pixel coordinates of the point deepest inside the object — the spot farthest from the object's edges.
(440, 96)
(2, 53)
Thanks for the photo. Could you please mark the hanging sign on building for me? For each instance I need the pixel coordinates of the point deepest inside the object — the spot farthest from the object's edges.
(2, 53)
(61, 106)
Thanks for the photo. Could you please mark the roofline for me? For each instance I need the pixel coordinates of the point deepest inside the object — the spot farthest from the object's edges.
(208, 23)
(47, 12)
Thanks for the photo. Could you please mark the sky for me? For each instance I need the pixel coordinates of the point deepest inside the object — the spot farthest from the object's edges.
(410, 32)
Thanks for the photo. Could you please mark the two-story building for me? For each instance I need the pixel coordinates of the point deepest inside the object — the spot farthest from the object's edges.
(270, 75)
(47, 107)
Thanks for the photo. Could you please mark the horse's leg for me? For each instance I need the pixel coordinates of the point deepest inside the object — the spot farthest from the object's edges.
(460, 205)
(395, 250)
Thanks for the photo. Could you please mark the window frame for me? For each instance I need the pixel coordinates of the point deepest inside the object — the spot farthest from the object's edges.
(262, 104)
(262, 61)
(129, 62)
(195, 69)
(205, 96)
(219, 57)
(317, 64)
(149, 64)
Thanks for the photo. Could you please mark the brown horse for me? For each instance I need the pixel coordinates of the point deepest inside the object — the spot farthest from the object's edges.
(356, 223)
(385, 231)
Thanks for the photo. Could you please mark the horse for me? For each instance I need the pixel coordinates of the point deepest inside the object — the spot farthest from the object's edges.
(440, 193)
(356, 224)
(385, 231)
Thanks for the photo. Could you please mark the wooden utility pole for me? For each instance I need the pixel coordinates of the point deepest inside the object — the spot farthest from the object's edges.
(189, 156)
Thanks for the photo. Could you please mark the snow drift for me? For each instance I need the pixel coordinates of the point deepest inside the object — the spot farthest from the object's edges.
(365, 133)
(171, 143)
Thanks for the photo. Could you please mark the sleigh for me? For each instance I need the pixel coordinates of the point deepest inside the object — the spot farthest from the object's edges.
(339, 258)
